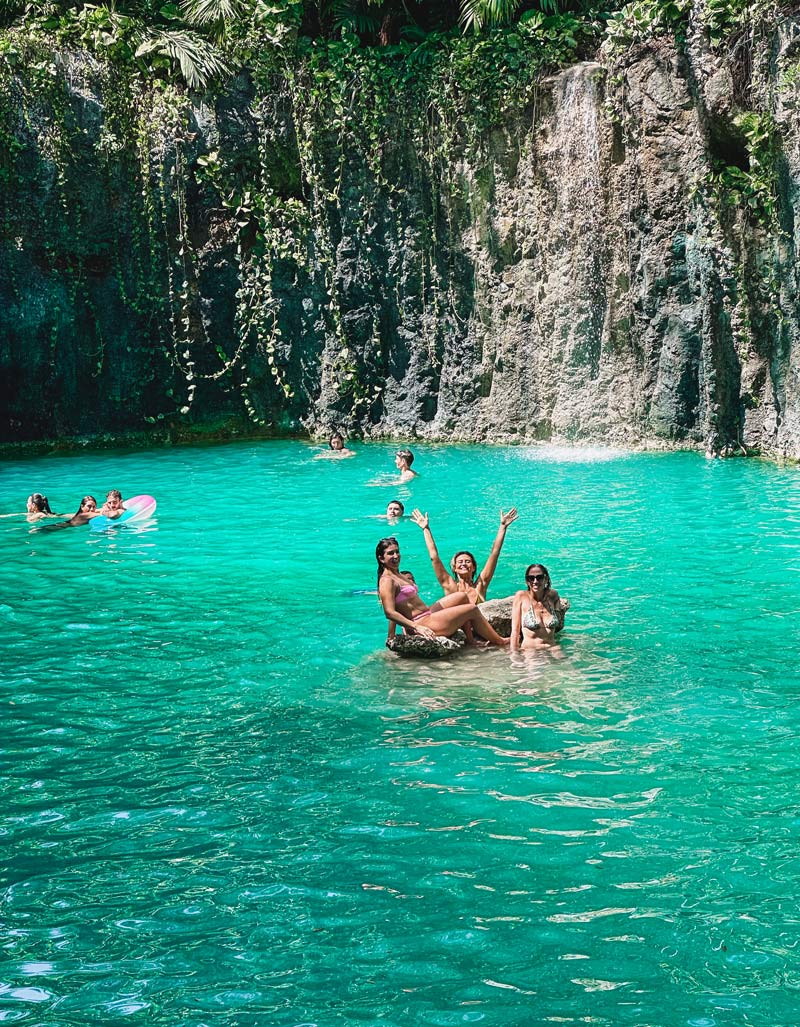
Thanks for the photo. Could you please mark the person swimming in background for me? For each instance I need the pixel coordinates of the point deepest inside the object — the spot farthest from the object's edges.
(113, 506)
(336, 449)
(402, 605)
(37, 507)
(464, 565)
(538, 611)
(85, 512)
(403, 460)
(395, 510)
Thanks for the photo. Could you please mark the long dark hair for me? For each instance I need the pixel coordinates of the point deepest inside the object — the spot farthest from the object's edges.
(541, 566)
(80, 508)
(380, 549)
(40, 502)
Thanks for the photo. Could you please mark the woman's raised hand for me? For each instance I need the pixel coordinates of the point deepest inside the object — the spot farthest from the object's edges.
(420, 518)
(508, 518)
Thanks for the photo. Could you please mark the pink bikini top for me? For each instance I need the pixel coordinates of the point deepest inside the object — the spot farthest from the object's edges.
(405, 592)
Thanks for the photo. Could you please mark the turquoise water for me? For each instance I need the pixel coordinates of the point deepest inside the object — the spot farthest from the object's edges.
(224, 803)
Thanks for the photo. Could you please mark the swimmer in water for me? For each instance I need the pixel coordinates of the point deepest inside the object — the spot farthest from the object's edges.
(402, 604)
(37, 508)
(395, 510)
(113, 506)
(538, 612)
(464, 565)
(403, 461)
(85, 512)
(336, 449)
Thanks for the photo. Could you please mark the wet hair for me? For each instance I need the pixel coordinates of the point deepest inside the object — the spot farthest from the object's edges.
(463, 552)
(396, 502)
(541, 566)
(336, 435)
(80, 507)
(380, 549)
(115, 493)
(407, 455)
(40, 502)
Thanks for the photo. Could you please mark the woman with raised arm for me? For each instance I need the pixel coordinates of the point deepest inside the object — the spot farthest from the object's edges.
(538, 611)
(464, 565)
(402, 604)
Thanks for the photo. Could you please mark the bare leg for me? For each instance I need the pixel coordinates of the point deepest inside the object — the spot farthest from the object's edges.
(456, 611)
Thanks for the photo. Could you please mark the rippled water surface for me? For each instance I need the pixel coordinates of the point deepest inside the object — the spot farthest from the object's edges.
(224, 803)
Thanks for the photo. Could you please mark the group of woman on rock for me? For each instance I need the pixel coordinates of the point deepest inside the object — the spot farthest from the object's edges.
(537, 613)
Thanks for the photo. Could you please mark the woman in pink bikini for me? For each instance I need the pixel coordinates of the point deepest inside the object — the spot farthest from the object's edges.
(402, 604)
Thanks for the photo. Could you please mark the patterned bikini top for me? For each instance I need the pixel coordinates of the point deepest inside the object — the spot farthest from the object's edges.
(551, 623)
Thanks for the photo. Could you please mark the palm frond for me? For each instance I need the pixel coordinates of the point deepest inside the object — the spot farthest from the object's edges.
(205, 12)
(198, 60)
(478, 14)
(353, 15)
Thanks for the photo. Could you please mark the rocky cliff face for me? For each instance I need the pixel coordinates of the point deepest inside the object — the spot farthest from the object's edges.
(579, 273)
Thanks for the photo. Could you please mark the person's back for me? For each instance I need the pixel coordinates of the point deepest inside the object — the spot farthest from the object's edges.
(37, 507)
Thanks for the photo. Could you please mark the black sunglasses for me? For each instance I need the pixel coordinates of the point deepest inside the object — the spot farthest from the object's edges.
(535, 577)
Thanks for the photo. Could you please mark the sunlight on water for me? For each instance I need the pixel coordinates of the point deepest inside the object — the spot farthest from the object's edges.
(226, 803)
(551, 453)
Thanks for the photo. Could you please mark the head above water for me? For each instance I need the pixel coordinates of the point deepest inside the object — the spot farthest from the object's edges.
(88, 505)
(537, 574)
(395, 509)
(464, 564)
(336, 441)
(37, 503)
(405, 457)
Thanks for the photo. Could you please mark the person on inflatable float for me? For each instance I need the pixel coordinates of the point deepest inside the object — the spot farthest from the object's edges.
(113, 506)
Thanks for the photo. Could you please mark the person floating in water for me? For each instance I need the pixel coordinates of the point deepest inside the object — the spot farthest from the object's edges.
(463, 564)
(85, 512)
(538, 611)
(395, 510)
(402, 604)
(37, 508)
(336, 449)
(113, 506)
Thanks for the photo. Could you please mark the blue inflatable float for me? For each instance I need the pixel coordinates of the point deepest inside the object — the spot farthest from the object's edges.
(137, 509)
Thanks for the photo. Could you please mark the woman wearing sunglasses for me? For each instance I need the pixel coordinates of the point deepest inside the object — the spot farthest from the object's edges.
(538, 611)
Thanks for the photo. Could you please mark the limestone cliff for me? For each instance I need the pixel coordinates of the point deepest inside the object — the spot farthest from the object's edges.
(581, 271)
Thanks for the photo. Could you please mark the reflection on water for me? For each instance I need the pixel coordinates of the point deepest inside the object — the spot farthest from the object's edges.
(226, 802)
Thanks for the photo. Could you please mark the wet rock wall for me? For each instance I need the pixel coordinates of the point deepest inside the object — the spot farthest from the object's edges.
(207, 266)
